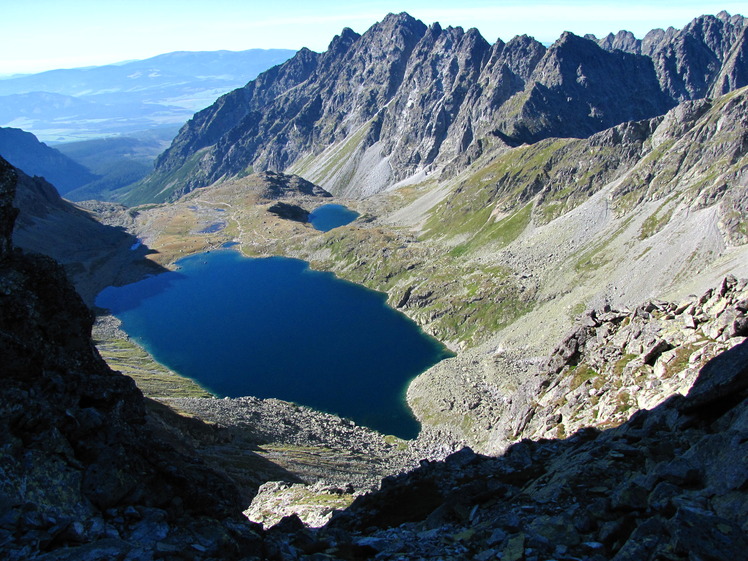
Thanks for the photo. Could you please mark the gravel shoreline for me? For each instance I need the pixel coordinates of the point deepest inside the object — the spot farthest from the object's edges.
(366, 455)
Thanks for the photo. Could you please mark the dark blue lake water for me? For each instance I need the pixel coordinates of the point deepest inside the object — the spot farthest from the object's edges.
(327, 217)
(275, 328)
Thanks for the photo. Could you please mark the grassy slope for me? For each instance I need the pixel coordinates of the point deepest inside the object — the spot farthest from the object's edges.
(507, 253)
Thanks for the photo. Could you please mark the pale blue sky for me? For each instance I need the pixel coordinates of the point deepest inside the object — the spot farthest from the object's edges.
(37, 35)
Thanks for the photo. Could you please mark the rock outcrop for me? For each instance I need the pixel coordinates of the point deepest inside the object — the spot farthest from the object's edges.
(414, 98)
(669, 483)
(616, 362)
(613, 363)
(705, 58)
(87, 471)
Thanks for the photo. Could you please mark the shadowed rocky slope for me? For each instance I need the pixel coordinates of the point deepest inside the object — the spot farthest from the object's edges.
(412, 98)
(84, 464)
(668, 484)
(94, 255)
(91, 471)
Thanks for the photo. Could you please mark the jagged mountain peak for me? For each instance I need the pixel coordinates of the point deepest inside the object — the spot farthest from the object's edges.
(520, 55)
(400, 29)
(473, 36)
(621, 41)
(403, 98)
(344, 40)
(568, 37)
(400, 19)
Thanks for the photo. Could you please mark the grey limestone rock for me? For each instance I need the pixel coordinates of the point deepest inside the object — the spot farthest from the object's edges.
(422, 98)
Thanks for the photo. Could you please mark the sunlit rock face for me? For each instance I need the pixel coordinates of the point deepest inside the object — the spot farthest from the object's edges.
(413, 98)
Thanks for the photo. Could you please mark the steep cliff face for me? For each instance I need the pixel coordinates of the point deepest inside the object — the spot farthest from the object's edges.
(705, 58)
(404, 98)
(84, 465)
(578, 89)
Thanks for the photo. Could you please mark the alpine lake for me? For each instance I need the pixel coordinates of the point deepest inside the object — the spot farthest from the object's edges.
(327, 217)
(274, 328)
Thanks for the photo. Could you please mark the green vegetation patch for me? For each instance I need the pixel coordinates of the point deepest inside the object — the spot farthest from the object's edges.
(510, 180)
(681, 360)
(499, 233)
(153, 379)
(159, 187)
(482, 302)
(621, 363)
(581, 374)
(453, 300)
(658, 219)
(554, 175)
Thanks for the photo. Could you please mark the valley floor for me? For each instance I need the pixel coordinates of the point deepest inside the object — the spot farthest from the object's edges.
(499, 309)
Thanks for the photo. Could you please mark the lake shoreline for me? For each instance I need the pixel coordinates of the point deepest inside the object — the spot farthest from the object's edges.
(352, 354)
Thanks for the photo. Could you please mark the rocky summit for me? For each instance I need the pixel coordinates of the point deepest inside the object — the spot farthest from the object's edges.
(418, 99)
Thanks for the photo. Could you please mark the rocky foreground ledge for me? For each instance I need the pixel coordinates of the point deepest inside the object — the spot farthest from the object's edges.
(324, 461)
(670, 483)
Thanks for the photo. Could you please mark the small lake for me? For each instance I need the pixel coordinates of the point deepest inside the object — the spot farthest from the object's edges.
(327, 217)
(275, 328)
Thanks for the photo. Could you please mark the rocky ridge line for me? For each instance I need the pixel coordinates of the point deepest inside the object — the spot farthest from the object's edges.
(433, 97)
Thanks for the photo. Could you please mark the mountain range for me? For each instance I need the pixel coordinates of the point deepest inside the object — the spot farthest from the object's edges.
(114, 119)
(162, 91)
(414, 99)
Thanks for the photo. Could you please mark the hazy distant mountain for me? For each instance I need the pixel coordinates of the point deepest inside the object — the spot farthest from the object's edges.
(24, 151)
(117, 161)
(81, 103)
(58, 117)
